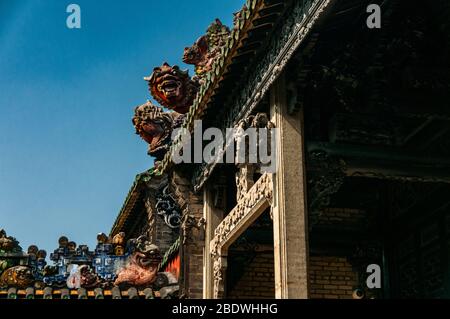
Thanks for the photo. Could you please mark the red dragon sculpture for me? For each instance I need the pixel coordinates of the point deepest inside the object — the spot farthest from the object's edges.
(172, 88)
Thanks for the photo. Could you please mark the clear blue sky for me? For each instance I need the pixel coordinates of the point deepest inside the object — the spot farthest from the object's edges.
(68, 152)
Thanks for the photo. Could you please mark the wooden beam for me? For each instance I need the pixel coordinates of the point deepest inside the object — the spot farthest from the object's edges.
(387, 163)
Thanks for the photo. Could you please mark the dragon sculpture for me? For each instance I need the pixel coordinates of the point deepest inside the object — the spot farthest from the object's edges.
(142, 268)
(155, 126)
(8, 243)
(17, 276)
(172, 88)
(13, 273)
(207, 49)
(10, 251)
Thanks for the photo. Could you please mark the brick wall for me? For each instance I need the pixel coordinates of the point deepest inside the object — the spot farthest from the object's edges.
(191, 250)
(331, 278)
(164, 235)
(258, 279)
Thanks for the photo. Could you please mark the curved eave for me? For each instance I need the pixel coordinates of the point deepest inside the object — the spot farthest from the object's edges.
(133, 197)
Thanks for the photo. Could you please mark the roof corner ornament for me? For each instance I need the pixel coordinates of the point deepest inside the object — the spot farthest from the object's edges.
(172, 87)
(205, 51)
(155, 127)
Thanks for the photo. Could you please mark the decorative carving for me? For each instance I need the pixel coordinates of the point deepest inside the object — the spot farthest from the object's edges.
(256, 84)
(258, 121)
(119, 244)
(246, 172)
(218, 273)
(143, 265)
(237, 16)
(82, 277)
(188, 223)
(11, 253)
(207, 49)
(154, 126)
(8, 244)
(325, 177)
(262, 189)
(296, 27)
(172, 87)
(167, 208)
(17, 276)
(244, 179)
(75, 267)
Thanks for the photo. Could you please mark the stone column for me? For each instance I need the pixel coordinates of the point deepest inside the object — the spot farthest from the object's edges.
(289, 208)
(213, 212)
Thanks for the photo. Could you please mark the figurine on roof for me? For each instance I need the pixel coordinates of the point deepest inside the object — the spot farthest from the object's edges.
(8, 244)
(11, 253)
(205, 51)
(172, 88)
(17, 276)
(155, 127)
(143, 265)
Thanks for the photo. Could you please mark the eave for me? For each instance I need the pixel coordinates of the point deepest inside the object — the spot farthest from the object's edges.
(126, 214)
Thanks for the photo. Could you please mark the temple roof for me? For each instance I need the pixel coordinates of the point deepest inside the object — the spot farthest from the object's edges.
(134, 195)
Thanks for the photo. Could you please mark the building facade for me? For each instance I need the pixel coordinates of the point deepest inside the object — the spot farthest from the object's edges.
(358, 205)
(361, 152)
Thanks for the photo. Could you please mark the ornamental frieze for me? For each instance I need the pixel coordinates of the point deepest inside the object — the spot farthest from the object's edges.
(115, 262)
(261, 190)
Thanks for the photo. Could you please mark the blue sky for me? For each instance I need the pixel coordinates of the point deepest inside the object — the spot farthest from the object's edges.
(68, 152)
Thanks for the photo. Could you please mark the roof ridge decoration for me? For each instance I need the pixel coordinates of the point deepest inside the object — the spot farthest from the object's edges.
(204, 52)
(155, 126)
(172, 87)
(8, 244)
(171, 252)
(115, 262)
